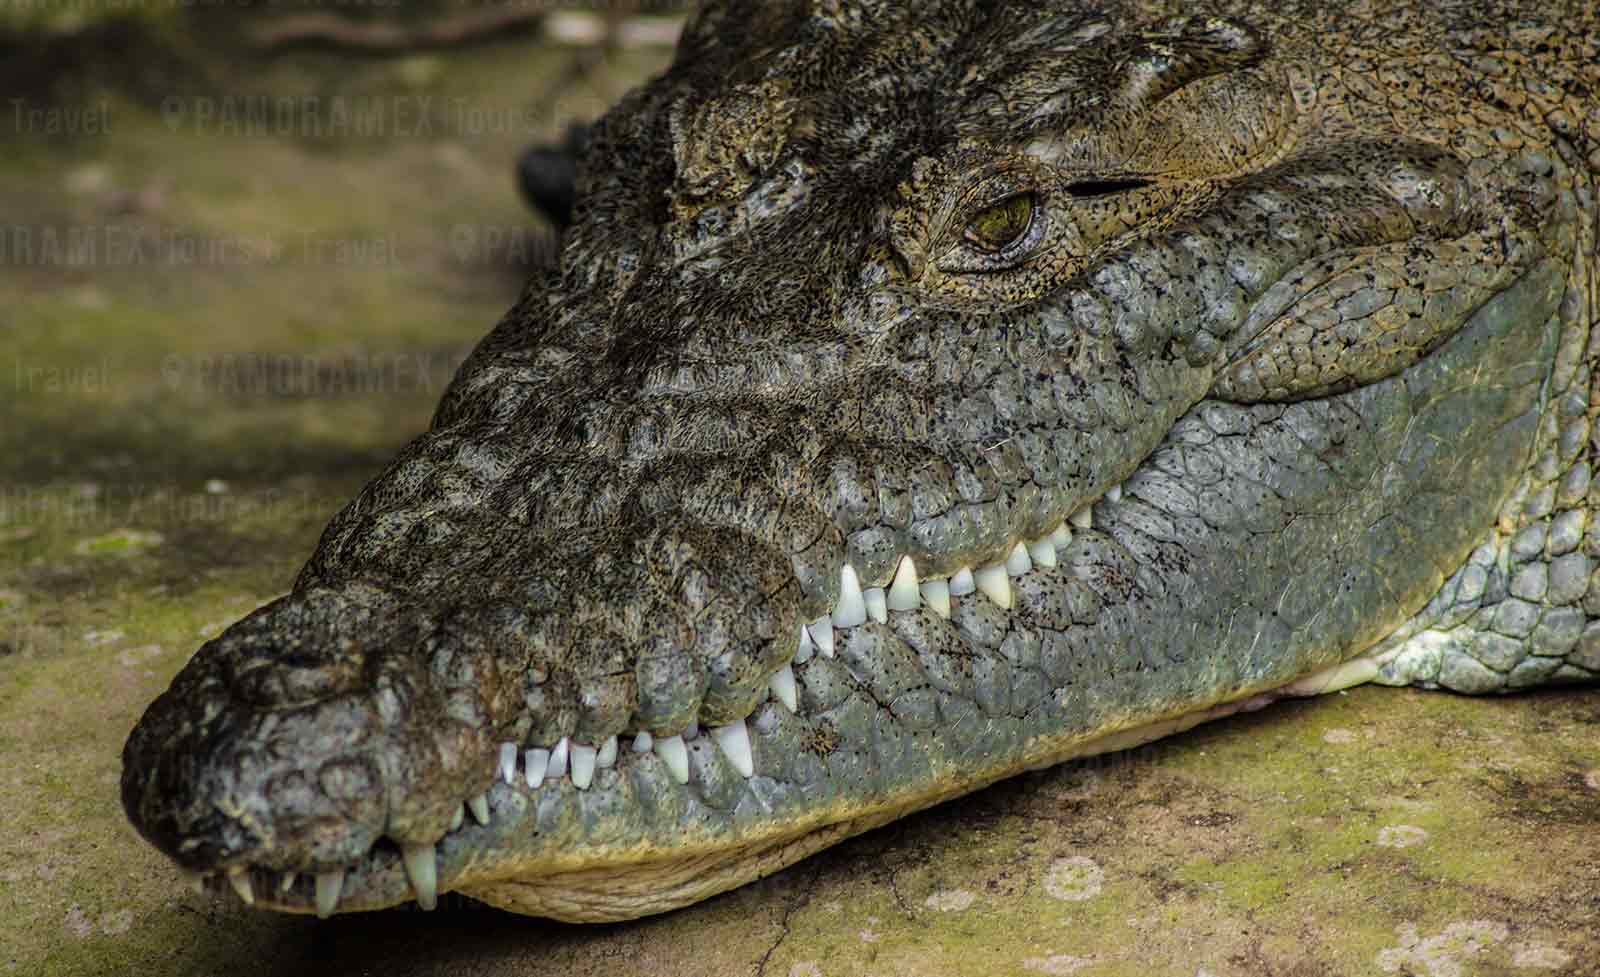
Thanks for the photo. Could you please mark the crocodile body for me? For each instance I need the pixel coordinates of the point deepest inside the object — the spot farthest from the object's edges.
(926, 395)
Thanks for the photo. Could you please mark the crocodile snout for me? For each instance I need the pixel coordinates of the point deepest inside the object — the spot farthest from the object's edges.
(308, 733)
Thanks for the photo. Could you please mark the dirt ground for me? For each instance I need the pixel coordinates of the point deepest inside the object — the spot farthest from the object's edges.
(221, 317)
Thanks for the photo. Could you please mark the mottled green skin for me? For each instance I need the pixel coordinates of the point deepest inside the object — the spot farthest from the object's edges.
(1330, 333)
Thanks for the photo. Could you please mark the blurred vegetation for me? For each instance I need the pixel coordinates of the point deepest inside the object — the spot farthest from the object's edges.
(67, 50)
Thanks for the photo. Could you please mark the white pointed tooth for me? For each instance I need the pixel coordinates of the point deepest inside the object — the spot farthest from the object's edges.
(1061, 537)
(851, 608)
(962, 583)
(903, 595)
(1114, 493)
(806, 648)
(196, 882)
(422, 868)
(558, 759)
(479, 806)
(329, 885)
(877, 604)
(822, 635)
(691, 732)
(1017, 561)
(1043, 553)
(735, 742)
(783, 688)
(508, 762)
(240, 880)
(583, 757)
(995, 585)
(1083, 518)
(675, 755)
(643, 742)
(607, 757)
(537, 763)
(287, 882)
(457, 818)
(937, 593)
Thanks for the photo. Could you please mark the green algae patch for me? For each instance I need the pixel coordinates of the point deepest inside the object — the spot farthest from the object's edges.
(118, 542)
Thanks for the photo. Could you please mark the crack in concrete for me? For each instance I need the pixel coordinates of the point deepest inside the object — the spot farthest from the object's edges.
(789, 910)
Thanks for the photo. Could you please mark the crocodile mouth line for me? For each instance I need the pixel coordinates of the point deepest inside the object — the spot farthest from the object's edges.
(530, 767)
(655, 881)
(571, 762)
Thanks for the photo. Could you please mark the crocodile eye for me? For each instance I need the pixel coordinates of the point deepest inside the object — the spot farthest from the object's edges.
(997, 227)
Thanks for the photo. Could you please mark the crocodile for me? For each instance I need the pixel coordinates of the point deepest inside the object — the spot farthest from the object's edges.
(926, 394)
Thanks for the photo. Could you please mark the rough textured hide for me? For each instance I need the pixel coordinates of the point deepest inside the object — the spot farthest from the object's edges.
(1211, 348)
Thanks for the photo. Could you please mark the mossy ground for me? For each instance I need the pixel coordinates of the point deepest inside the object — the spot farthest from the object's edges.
(179, 425)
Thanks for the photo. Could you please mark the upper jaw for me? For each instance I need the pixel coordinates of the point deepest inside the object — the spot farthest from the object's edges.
(322, 764)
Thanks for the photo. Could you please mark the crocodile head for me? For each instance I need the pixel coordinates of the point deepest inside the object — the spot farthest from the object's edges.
(924, 396)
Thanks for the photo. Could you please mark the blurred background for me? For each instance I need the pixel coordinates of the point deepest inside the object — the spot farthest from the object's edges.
(246, 243)
(243, 247)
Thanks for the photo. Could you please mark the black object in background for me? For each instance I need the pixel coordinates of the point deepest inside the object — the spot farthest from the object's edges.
(548, 175)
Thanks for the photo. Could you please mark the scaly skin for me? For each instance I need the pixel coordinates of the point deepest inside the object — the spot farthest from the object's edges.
(1287, 307)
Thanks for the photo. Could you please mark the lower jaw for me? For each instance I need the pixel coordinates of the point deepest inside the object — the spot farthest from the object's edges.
(631, 889)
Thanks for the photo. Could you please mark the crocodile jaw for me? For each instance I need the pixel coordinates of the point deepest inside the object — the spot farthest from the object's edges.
(560, 567)
(633, 841)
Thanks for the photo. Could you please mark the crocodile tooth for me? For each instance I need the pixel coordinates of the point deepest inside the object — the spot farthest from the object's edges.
(328, 886)
(806, 648)
(1083, 518)
(822, 635)
(607, 757)
(851, 608)
(457, 818)
(1017, 562)
(691, 731)
(287, 882)
(1043, 553)
(583, 757)
(422, 868)
(196, 882)
(735, 742)
(479, 806)
(508, 762)
(1061, 537)
(962, 583)
(240, 880)
(783, 688)
(903, 594)
(1114, 493)
(558, 759)
(937, 594)
(675, 755)
(877, 604)
(537, 763)
(994, 584)
(643, 742)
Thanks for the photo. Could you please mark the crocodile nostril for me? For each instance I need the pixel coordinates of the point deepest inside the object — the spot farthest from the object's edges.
(288, 684)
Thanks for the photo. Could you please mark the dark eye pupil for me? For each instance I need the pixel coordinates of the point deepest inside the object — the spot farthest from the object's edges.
(995, 227)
